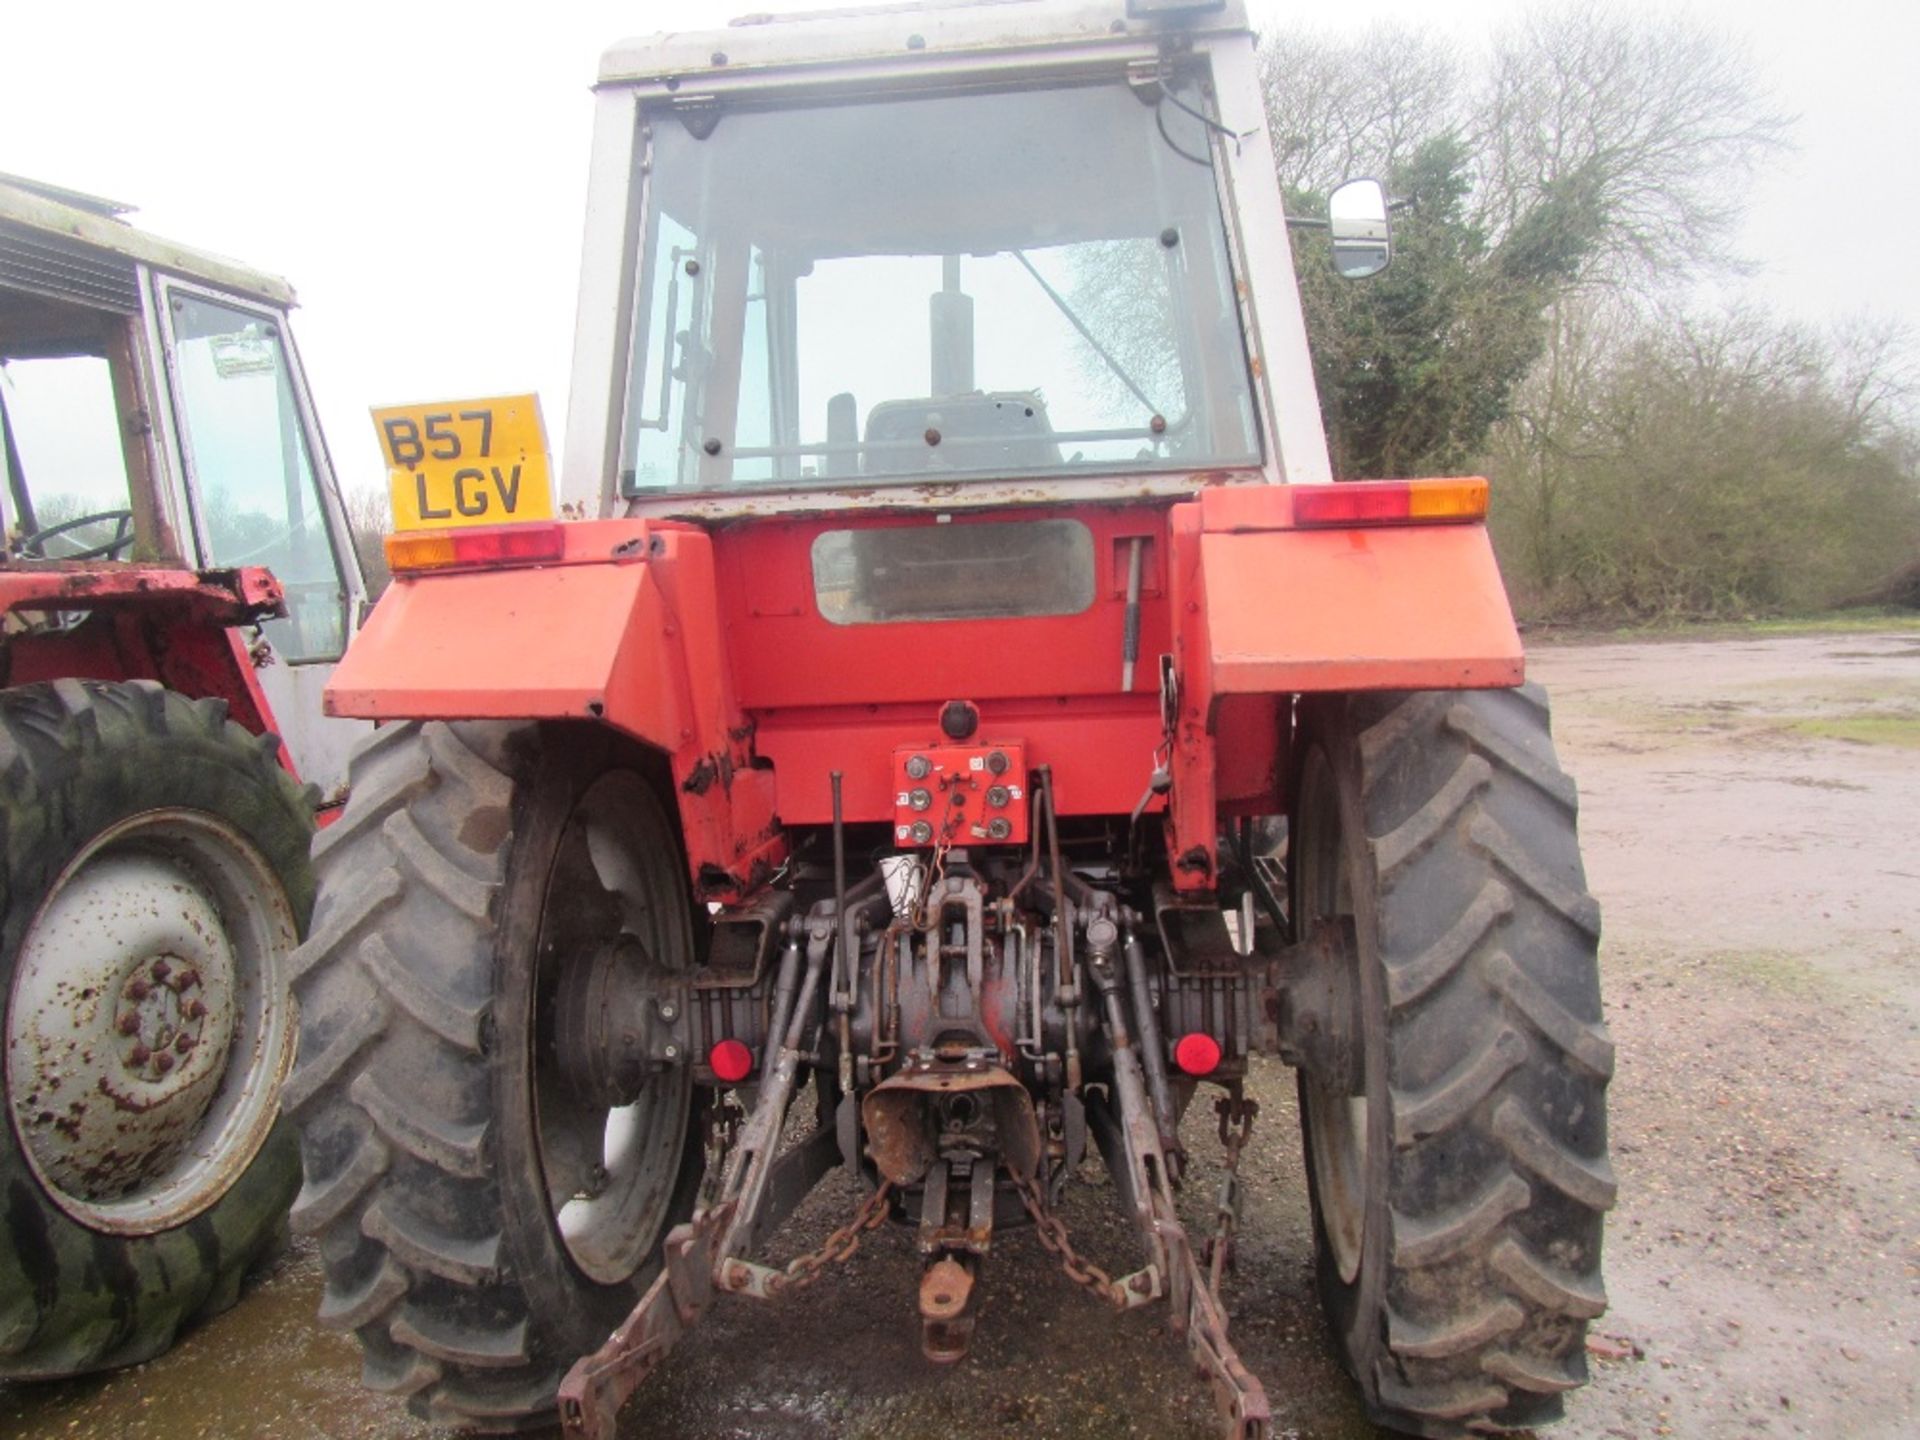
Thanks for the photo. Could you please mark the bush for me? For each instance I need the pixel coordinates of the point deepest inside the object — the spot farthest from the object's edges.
(1715, 468)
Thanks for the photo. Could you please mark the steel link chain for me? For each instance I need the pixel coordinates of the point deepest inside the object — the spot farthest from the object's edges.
(1236, 1114)
(838, 1247)
(1052, 1231)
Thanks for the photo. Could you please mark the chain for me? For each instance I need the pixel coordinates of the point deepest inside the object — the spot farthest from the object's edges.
(724, 1118)
(839, 1247)
(1053, 1236)
(1236, 1114)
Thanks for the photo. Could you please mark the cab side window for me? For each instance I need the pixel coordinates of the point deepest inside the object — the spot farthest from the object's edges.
(62, 457)
(257, 488)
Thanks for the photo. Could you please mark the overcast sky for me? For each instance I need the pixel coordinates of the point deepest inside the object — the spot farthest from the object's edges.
(418, 170)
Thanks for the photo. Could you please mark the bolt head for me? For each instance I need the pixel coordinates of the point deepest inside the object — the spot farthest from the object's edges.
(672, 1052)
(161, 969)
(129, 1024)
(186, 980)
(183, 1044)
(139, 1055)
(669, 1011)
(163, 1062)
(139, 989)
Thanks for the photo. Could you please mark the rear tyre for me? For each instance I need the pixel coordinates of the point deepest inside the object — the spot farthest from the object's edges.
(1458, 1191)
(480, 1225)
(156, 882)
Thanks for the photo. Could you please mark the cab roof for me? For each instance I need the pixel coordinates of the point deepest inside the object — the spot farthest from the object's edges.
(60, 220)
(773, 43)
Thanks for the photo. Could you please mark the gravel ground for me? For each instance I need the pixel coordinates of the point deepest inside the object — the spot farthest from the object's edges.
(1748, 817)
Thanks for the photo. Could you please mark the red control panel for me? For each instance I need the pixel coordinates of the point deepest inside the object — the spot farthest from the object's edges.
(960, 795)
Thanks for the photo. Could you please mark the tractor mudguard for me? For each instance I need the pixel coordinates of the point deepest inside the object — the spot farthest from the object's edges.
(1305, 610)
(622, 631)
(1294, 610)
(1268, 605)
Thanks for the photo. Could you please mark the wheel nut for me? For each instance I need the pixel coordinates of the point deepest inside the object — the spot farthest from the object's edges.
(193, 1010)
(163, 1062)
(139, 1055)
(129, 1024)
(139, 989)
(161, 970)
(186, 980)
(183, 1044)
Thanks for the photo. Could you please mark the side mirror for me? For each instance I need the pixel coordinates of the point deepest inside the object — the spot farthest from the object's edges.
(1357, 219)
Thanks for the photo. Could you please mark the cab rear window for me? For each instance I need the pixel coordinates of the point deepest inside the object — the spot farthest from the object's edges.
(985, 571)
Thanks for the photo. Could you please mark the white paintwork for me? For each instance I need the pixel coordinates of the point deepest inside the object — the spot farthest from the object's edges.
(604, 319)
(922, 46)
(38, 211)
(319, 743)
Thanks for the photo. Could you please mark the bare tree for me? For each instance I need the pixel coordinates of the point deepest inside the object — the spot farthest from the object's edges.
(1661, 120)
(1339, 107)
(370, 520)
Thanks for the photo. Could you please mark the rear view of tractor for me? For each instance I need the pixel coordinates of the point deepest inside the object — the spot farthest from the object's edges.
(974, 728)
(175, 587)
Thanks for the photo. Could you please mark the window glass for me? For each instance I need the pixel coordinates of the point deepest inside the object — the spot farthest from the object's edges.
(62, 461)
(962, 571)
(988, 284)
(258, 493)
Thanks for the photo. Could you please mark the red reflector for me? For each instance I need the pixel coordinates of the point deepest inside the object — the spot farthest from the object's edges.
(1197, 1054)
(476, 547)
(730, 1061)
(1390, 502)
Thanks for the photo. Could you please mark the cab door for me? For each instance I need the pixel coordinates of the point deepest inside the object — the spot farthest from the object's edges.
(260, 490)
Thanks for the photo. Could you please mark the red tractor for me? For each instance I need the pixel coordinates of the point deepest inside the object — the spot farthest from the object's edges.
(974, 722)
(176, 585)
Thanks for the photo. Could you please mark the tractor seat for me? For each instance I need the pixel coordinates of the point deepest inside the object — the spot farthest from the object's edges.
(983, 430)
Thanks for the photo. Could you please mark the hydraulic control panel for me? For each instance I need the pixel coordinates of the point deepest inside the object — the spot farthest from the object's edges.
(972, 794)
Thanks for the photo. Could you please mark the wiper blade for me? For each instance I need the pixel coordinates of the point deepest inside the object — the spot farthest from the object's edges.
(1060, 303)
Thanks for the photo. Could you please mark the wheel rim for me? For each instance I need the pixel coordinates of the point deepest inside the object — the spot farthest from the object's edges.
(1336, 1123)
(148, 1027)
(610, 1171)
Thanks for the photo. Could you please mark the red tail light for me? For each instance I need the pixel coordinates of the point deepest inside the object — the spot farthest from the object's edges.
(474, 548)
(1390, 502)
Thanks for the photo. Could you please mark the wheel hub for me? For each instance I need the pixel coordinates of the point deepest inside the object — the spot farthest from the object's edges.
(145, 1036)
(161, 1018)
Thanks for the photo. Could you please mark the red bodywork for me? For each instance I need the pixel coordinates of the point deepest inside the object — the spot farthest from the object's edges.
(179, 627)
(708, 645)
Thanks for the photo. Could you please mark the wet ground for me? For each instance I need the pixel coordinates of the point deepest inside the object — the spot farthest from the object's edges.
(1751, 819)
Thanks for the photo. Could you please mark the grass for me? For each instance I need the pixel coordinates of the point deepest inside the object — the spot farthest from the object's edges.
(1871, 621)
(1778, 970)
(1864, 729)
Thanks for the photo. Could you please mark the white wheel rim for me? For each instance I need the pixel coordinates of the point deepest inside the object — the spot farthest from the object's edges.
(148, 1024)
(611, 1172)
(1337, 1123)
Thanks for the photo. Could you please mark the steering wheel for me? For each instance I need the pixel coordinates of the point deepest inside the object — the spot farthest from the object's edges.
(35, 544)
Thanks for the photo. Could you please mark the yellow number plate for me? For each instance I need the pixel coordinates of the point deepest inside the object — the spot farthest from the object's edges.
(466, 462)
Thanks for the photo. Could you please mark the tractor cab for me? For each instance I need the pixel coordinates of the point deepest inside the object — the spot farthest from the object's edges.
(155, 418)
(811, 276)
